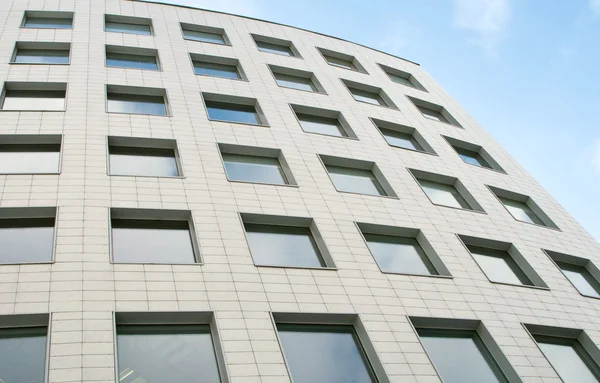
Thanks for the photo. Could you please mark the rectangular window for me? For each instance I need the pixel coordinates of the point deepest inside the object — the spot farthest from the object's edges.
(445, 190)
(368, 94)
(128, 24)
(204, 34)
(27, 235)
(581, 272)
(336, 61)
(402, 136)
(136, 100)
(473, 154)
(233, 109)
(356, 176)
(434, 112)
(473, 158)
(41, 53)
(252, 164)
(520, 211)
(322, 121)
(152, 236)
(276, 46)
(341, 60)
(30, 154)
(401, 77)
(499, 266)
(216, 66)
(522, 208)
(131, 57)
(23, 348)
(33, 96)
(142, 157)
(295, 82)
(48, 20)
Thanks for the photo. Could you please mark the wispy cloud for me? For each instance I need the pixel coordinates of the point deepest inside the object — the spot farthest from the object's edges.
(595, 6)
(238, 7)
(596, 155)
(486, 19)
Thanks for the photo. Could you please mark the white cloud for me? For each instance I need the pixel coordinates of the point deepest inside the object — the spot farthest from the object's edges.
(486, 19)
(596, 155)
(238, 7)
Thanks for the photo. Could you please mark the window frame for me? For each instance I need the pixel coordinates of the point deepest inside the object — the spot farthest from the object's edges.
(47, 15)
(218, 60)
(34, 139)
(172, 318)
(456, 143)
(450, 120)
(289, 221)
(257, 151)
(144, 142)
(359, 165)
(578, 262)
(131, 51)
(275, 41)
(387, 101)
(403, 129)
(40, 45)
(234, 100)
(204, 29)
(276, 69)
(137, 91)
(400, 73)
(34, 86)
(404, 232)
(156, 215)
(342, 56)
(499, 193)
(324, 113)
(123, 19)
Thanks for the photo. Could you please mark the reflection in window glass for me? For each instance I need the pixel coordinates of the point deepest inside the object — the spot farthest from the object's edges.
(323, 125)
(401, 139)
(274, 48)
(26, 240)
(499, 266)
(346, 64)
(123, 60)
(225, 111)
(569, 359)
(460, 357)
(581, 279)
(433, 114)
(42, 56)
(23, 354)
(138, 161)
(34, 100)
(138, 29)
(48, 22)
(295, 82)
(166, 353)
(324, 353)
(354, 180)
(472, 157)
(520, 211)
(205, 37)
(136, 104)
(290, 246)
(151, 241)
(216, 70)
(443, 194)
(241, 167)
(29, 158)
(399, 254)
(400, 79)
(366, 96)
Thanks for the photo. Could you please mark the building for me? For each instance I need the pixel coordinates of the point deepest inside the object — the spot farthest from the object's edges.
(192, 196)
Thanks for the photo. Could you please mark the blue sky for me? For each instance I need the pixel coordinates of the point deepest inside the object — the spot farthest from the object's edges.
(527, 71)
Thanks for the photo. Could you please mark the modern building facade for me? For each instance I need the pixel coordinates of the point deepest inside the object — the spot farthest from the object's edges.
(193, 196)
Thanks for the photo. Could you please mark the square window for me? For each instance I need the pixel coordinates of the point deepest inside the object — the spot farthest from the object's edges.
(131, 57)
(204, 34)
(445, 191)
(341, 60)
(234, 109)
(153, 236)
(520, 211)
(30, 154)
(147, 157)
(356, 176)
(215, 66)
(27, 235)
(34, 96)
(252, 164)
(402, 136)
(368, 94)
(41, 53)
(473, 154)
(276, 46)
(48, 20)
(522, 208)
(136, 100)
(434, 112)
(23, 343)
(128, 24)
(322, 121)
(285, 241)
(581, 272)
(401, 77)
(172, 347)
(296, 79)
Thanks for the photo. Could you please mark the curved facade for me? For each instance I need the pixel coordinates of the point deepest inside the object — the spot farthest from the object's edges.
(198, 196)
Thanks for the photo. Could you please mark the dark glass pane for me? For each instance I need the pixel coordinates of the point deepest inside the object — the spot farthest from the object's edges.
(366, 96)
(570, 360)
(521, 211)
(160, 354)
(254, 169)
(324, 354)
(151, 241)
(499, 266)
(443, 194)
(400, 79)
(399, 254)
(472, 157)
(433, 114)
(34, 100)
(131, 61)
(26, 240)
(282, 246)
(138, 29)
(205, 37)
(29, 158)
(216, 70)
(42, 56)
(224, 111)
(48, 22)
(460, 357)
(274, 48)
(23, 355)
(295, 82)
(136, 104)
(581, 279)
(340, 62)
(322, 125)
(401, 139)
(136, 161)
(355, 180)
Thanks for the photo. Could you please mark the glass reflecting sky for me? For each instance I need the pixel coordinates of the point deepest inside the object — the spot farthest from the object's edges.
(131, 61)
(138, 29)
(42, 56)
(322, 125)
(567, 363)
(223, 111)
(130, 161)
(443, 194)
(29, 159)
(216, 70)
(354, 180)
(254, 169)
(26, 240)
(23, 355)
(399, 254)
(205, 37)
(136, 104)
